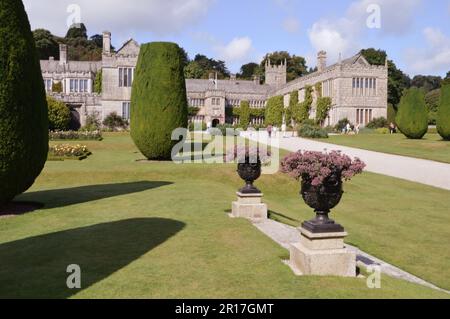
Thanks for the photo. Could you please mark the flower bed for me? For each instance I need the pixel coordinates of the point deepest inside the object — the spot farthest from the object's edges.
(75, 135)
(62, 152)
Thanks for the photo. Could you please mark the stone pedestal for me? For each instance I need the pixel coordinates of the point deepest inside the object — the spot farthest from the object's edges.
(249, 206)
(322, 254)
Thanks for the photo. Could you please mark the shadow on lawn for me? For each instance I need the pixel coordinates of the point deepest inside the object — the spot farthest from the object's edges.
(36, 267)
(70, 196)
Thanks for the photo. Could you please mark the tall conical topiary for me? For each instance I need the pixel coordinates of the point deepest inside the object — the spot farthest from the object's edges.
(412, 117)
(158, 100)
(23, 106)
(443, 119)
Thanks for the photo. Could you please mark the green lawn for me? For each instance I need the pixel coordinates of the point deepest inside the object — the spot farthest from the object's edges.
(160, 230)
(431, 147)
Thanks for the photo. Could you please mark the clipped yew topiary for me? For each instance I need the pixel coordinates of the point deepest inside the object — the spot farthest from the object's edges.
(23, 106)
(158, 100)
(412, 116)
(443, 119)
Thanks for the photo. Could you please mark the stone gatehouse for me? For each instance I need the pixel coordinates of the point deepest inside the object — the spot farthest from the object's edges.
(357, 89)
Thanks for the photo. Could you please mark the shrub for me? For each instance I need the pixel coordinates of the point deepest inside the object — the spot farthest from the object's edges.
(75, 135)
(293, 105)
(92, 123)
(310, 122)
(305, 107)
(382, 130)
(193, 126)
(432, 103)
(158, 100)
(57, 87)
(274, 111)
(379, 122)
(98, 82)
(323, 108)
(244, 115)
(65, 151)
(309, 131)
(412, 117)
(58, 115)
(443, 120)
(23, 105)
(114, 122)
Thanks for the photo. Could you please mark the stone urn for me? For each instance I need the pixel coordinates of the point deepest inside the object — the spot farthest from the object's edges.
(249, 172)
(322, 198)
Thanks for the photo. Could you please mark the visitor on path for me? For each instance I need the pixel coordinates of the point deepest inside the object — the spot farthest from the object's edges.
(392, 128)
(269, 130)
(357, 129)
(348, 128)
(275, 131)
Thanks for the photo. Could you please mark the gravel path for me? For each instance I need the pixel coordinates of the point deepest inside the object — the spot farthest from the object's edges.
(285, 235)
(412, 169)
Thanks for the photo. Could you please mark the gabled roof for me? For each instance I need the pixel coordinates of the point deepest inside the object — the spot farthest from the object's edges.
(229, 86)
(131, 47)
(52, 66)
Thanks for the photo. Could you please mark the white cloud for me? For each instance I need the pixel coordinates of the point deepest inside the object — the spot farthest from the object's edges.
(291, 25)
(344, 35)
(238, 50)
(160, 17)
(431, 59)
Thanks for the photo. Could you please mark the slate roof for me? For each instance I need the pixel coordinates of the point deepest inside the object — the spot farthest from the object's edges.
(229, 86)
(71, 66)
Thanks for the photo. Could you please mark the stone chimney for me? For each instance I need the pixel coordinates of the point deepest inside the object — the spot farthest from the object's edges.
(321, 61)
(62, 54)
(106, 42)
(256, 79)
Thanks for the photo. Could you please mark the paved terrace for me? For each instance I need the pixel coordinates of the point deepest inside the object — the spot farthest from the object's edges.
(412, 169)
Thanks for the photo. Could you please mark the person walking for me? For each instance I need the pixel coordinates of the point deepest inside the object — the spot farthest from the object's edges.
(269, 130)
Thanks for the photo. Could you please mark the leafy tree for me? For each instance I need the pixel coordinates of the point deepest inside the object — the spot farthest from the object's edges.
(244, 115)
(249, 70)
(212, 66)
(23, 106)
(432, 103)
(428, 83)
(77, 31)
(443, 118)
(274, 111)
(448, 75)
(46, 44)
(296, 65)
(193, 71)
(97, 39)
(58, 115)
(412, 118)
(397, 82)
(158, 100)
(323, 109)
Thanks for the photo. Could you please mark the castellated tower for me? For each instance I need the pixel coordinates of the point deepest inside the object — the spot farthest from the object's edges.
(321, 61)
(276, 75)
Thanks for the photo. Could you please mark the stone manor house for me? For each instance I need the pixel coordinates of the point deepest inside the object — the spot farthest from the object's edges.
(357, 89)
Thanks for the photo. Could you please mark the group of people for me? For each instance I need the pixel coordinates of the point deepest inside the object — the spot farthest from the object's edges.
(349, 129)
(273, 130)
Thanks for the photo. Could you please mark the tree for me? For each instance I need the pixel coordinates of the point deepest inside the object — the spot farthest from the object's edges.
(397, 81)
(46, 44)
(58, 115)
(193, 71)
(412, 118)
(249, 70)
(448, 75)
(244, 115)
(97, 39)
(274, 111)
(305, 106)
(76, 31)
(428, 83)
(296, 65)
(432, 103)
(158, 100)
(443, 118)
(23, 106)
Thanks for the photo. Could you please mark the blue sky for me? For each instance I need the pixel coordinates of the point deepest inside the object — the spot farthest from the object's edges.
(415, 33)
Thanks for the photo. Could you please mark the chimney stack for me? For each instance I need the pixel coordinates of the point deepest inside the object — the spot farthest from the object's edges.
(256, 79)
(321, 61)
(62, 54)
(106, 42)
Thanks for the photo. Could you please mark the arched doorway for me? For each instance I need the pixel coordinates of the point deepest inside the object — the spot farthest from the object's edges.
(215, 122)
(75, 123)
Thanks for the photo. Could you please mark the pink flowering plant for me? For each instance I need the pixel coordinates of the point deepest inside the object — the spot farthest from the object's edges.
(318, 167)
(247, 154)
